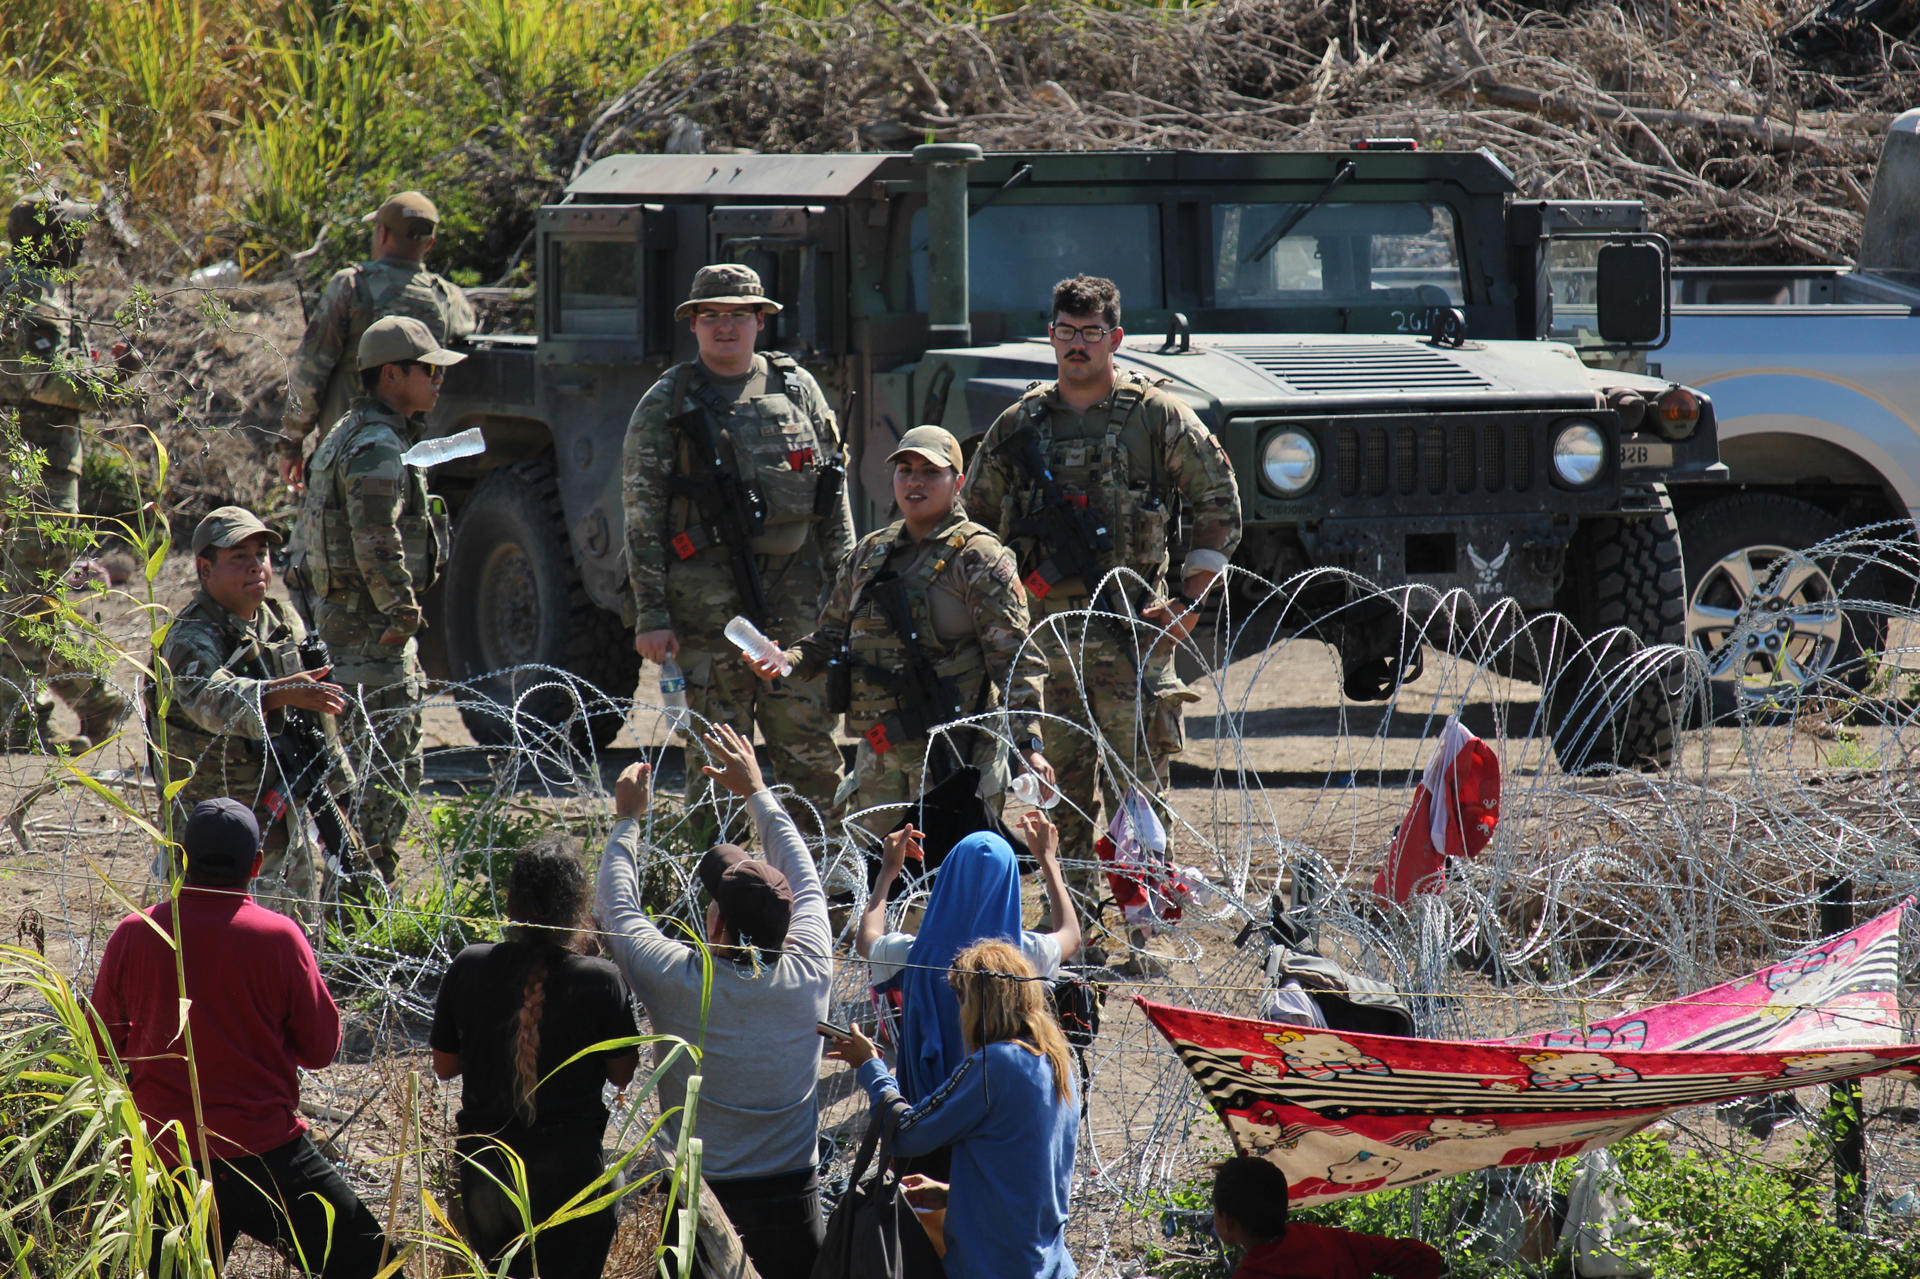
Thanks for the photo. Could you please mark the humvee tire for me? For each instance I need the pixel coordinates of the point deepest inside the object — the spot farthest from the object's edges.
(1607, 705)
(514, 598)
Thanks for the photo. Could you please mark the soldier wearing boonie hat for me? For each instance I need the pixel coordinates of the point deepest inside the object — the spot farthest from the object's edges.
(371, 541)
(232, 667)
(956, 584)
(778, 443)
(393, 282)
(48, 378)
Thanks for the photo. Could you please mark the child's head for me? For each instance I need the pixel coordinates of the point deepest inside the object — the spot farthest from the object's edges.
(1249, 1201)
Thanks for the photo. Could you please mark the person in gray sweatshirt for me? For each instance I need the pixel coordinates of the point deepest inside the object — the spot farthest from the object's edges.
(758, 1113)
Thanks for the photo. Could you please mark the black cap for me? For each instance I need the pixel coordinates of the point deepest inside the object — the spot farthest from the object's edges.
(220, 840)
(755, 899)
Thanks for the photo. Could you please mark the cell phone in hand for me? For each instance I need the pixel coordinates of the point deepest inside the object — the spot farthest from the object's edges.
(828, 1030)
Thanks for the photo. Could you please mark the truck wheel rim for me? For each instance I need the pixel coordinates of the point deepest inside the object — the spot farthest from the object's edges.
(1767, 628)
(508, 610)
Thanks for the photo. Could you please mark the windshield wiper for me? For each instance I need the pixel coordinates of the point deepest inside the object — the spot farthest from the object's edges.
(1281, 230)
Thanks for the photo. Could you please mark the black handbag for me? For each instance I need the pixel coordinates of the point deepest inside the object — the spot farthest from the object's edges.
(873, 1233)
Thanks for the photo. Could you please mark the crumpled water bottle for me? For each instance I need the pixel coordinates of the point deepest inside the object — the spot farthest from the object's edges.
(673, 696)
(749, 640)
(1027, 787)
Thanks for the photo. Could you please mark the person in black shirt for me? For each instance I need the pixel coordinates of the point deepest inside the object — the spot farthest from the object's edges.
(507, 1016)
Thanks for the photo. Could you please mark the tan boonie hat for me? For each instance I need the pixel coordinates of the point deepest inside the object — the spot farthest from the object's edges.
(230, 526)
(401, 211)
(398, 339)
(935, 443)
(728, 283)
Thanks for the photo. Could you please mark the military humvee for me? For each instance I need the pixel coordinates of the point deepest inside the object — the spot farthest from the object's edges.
(1369, 332)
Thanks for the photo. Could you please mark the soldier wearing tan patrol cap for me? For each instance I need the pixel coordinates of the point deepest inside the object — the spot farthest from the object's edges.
(954, 585)
(50, 374)
(371, 541)
(232, 668)
(736, 503)
(394, 282)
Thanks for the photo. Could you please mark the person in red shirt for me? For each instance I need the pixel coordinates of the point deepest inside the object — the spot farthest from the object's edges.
(1250, 1212)
(257, 1011)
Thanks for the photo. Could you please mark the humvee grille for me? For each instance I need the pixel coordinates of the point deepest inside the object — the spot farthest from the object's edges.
(1360, 370)
(1438, 459)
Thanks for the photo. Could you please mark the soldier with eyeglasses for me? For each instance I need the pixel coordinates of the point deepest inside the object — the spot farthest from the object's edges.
(1122, 453)
(784, 528)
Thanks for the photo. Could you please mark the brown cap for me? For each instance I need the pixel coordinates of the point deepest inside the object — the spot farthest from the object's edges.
(935, 443)
(729, 284)
(230, 526)
(402, 211)
(755, 900)
(397, 339)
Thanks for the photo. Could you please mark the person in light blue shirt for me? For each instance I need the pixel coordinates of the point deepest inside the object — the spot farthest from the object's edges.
(1010, 1113)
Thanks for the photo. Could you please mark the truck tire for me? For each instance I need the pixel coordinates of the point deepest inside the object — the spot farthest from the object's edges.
(1731, 543)
(514, 598)
(1607, 705)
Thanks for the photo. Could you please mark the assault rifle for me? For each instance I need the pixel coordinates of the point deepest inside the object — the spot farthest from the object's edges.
(731, 508)
(1075, 538)
(305, 760)
(927, 698)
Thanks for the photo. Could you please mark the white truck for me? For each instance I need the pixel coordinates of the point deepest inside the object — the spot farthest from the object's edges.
(1815, 377)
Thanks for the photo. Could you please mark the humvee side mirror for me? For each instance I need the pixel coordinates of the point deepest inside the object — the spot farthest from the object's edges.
(1631, 294)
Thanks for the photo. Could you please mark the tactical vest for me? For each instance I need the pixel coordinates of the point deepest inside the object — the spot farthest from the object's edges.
(233, 760)
(776, 448)
(1101, 476)
(878, 654)
(35, 334)
(325, 552)
(377, 294)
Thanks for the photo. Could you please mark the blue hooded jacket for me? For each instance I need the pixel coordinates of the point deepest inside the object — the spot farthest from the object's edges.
(976, 897)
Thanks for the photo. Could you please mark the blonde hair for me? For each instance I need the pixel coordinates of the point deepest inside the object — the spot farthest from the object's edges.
(1002, 998)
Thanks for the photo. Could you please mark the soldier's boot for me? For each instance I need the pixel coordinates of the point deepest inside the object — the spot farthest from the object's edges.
(29, 731)
(1141, 962)
(386, 860)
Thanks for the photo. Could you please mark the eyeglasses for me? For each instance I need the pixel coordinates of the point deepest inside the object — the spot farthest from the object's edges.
(433, 371)
(719, 318)
(1088, 333)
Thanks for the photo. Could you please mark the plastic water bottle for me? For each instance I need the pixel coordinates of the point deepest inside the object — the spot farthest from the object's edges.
(747, 638)
(1026, 788)
(673, 696)
(445, 449)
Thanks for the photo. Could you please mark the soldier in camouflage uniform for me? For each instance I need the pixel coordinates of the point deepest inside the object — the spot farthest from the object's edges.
(230, 668)
(48, 377)
(969, 619)
(393, 283)
(781, 441)
(1128, 452)
(370, 544)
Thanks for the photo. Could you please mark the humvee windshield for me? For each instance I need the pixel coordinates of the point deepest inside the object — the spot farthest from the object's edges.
(1337, 255)
(1019, 251)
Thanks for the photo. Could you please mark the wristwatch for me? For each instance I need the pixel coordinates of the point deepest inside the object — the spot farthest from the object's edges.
(1032, 745)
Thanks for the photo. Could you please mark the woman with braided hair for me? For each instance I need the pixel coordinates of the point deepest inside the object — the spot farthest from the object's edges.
(508, 1015)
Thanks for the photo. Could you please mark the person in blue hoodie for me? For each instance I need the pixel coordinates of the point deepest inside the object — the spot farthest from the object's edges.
(1009, 1112)
(976, 897)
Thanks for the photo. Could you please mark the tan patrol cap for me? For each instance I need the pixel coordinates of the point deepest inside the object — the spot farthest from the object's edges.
(398, 339)
(401, 211)
(935, 443)
(230, 526)
(730, 284)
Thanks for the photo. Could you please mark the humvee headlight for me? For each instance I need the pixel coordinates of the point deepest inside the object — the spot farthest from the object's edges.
(1290, 463)
(1579, 453)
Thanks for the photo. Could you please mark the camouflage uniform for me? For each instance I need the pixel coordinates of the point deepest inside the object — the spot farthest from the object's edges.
(47, 378)
(213, 665)
(971, 615)
(325, 371)
(372, 541)
(1133, 456)
(783, 437)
